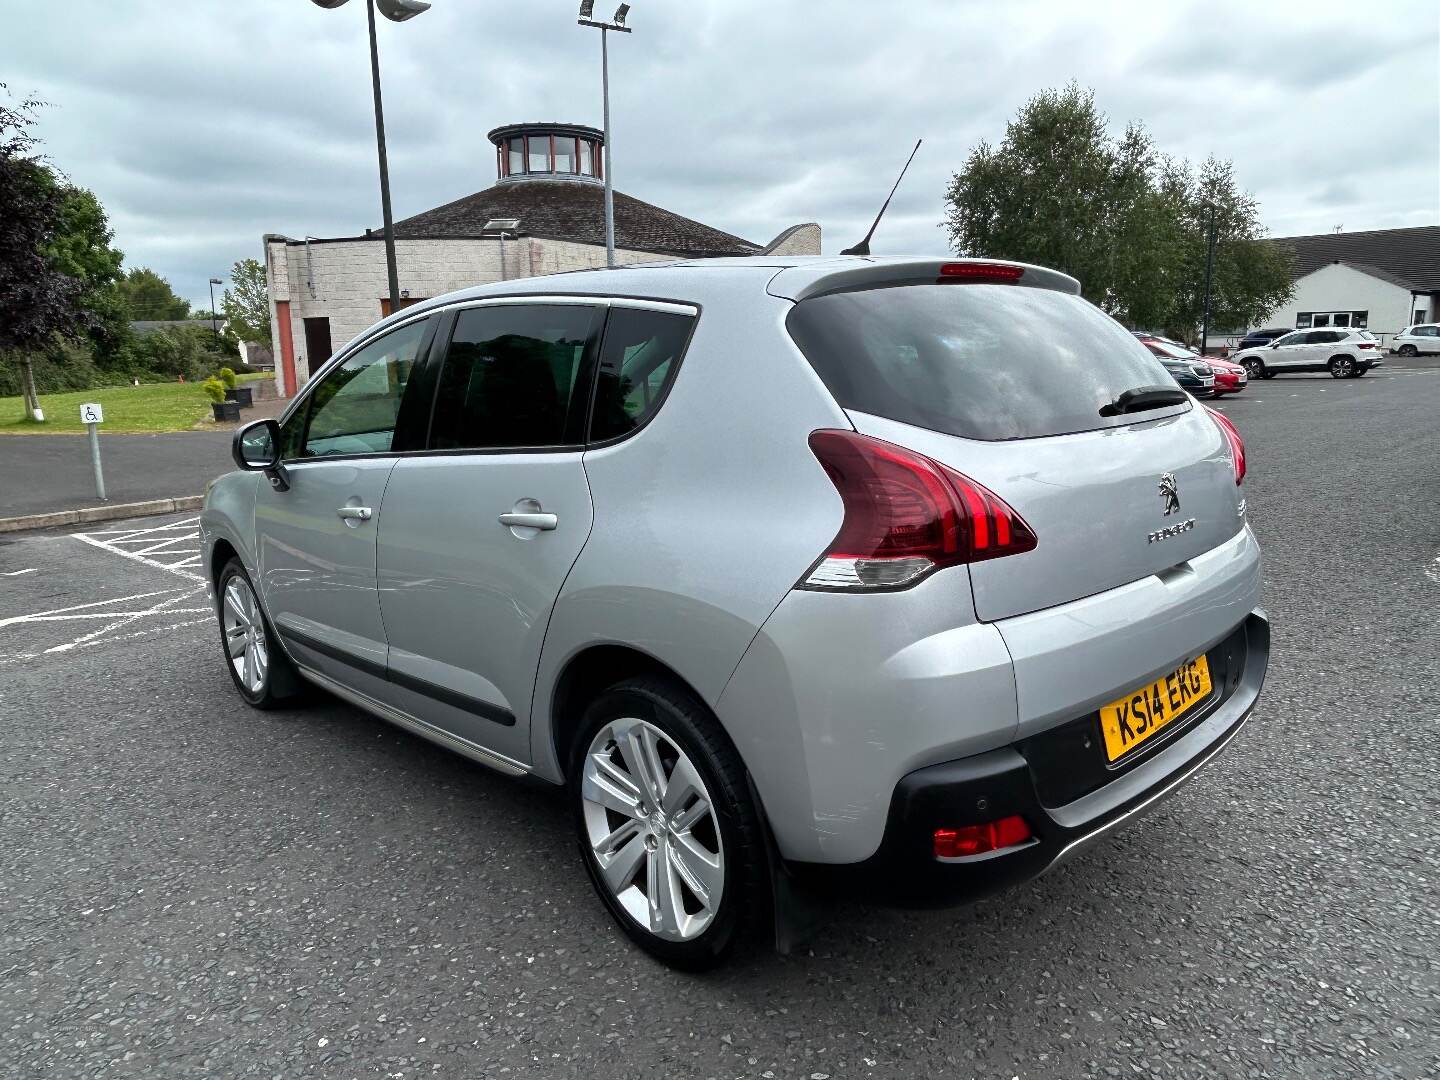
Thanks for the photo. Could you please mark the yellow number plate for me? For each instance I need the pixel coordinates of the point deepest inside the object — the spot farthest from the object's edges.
(1130, 721)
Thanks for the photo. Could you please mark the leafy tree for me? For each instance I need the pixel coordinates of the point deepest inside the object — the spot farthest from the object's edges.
(81, 249)
(1129, 223)
(37, 297)
(247, 304)
(147, 295)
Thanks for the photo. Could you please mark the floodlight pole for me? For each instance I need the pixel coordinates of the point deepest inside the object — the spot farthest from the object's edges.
(1209, 273)
(605, 29)
(214, 322)
(390, 271)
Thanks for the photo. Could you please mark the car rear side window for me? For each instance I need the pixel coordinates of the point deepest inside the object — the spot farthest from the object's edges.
(638, 361)
(976, 360)
(511, 377)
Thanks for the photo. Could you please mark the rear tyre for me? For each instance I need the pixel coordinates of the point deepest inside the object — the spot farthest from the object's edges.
(667, 829)
(1342, 367)
(261, 671)
(1255, 367)
(1408, 350)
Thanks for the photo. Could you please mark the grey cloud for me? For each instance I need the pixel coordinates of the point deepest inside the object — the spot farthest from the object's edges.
(202, 126)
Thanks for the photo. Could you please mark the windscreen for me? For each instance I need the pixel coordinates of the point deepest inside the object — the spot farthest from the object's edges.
(976, 360)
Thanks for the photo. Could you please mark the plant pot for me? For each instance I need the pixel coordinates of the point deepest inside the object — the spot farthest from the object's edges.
(226, 410)
(241, 395)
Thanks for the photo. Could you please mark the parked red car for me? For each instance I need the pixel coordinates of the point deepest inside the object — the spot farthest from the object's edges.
(1229, 378)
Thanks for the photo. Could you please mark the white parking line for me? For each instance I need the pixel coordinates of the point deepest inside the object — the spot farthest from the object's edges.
(17, 573)
(160, 549)
(118, 613)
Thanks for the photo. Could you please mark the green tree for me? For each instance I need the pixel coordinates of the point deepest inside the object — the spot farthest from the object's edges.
(81, 249)
(38, 299)
(147, 295)
(247, 303)
(1129, 223)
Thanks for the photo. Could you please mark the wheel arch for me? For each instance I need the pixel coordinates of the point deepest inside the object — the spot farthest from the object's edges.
(589, 673)
(221, 552)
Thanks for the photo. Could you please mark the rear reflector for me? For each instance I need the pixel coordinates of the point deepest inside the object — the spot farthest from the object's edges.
(994, 273)
(1232, 436)
(905, 516)
(970, 840)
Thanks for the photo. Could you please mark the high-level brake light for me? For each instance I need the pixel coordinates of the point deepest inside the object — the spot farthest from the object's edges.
(992, 273)
(905, 516)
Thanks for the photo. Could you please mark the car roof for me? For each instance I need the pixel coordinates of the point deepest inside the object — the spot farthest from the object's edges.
(792, 277)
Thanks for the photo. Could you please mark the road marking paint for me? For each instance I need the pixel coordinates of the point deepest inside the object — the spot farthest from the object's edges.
(1433, 570)
(17, 573)
(126, 620)
(156, 563)
(82, 607)
(166, 543)
(16, 657)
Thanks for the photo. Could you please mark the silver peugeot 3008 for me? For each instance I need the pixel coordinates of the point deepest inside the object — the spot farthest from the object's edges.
(905, 575)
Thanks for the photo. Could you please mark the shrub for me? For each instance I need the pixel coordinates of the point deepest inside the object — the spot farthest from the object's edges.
(227, 376)
(214, 389)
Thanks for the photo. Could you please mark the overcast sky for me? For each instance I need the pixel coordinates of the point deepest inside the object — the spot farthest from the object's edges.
(202, 124)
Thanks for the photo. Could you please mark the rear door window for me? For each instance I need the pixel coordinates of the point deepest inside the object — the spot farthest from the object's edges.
(512, 377)
(980, 361)
(638, 361)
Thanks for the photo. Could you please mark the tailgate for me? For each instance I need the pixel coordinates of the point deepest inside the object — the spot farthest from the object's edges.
(1108, 507)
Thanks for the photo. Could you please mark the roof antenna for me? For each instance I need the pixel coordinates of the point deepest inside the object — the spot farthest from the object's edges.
(863, 247)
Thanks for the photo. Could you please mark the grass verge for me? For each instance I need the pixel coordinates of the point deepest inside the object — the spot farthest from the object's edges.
(147, 408)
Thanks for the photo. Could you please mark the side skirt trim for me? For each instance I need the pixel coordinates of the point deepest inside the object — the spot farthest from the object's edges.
(415, 725)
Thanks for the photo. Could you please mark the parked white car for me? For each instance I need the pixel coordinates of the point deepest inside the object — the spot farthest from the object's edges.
(1346, 354)
(1413, 340)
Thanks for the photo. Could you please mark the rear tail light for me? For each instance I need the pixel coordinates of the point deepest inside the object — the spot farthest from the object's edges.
(991, 273)
(1368, 345)
(968, 841)
(1232, 436)
(905, 516)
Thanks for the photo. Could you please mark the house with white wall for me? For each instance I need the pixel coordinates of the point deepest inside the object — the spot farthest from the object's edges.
(1382, 280)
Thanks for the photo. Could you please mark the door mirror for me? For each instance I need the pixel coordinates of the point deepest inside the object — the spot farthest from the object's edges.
(1275, 344)
(256, 447)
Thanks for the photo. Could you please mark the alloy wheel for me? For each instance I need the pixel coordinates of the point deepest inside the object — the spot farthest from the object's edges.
(245, 644)
(1254, 368)
(651, 827)
(1342, 367)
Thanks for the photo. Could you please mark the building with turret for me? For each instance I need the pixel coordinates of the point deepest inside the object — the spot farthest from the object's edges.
(545, 214)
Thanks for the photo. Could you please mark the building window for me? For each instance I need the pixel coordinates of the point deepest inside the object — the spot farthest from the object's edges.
(564, 154)
(539, 153)
(516, 155)
(1302, 320)
(1340, 318)
(587, 160)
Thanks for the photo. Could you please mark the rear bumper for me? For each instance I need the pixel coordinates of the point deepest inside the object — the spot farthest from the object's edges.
(1009, 781)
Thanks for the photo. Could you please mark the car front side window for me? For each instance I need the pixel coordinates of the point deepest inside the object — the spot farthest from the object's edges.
(354, 409)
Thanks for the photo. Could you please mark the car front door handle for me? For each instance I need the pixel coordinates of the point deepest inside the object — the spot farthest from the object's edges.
(543, 522)
(355, 513)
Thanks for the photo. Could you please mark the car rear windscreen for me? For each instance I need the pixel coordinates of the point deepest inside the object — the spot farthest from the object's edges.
(976, 360)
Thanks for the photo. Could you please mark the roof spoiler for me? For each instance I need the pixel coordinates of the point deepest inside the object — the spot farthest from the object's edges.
(804, 281)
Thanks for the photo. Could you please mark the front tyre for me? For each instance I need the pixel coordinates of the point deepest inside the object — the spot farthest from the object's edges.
(260, 670)
(1408, 350)
(1254, 367)
(667, 828)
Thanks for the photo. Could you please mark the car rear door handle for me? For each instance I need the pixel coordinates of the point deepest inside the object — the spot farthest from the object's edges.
(355, 513)
(544, 522)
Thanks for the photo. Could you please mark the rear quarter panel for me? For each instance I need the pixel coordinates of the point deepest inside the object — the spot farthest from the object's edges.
(707, 516)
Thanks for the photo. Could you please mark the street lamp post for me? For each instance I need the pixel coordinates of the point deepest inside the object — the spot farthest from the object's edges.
(1209, 273)
(395, 11)
(214, 322)
(587, 9)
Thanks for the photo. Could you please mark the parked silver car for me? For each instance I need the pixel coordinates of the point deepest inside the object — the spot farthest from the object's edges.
(1344, 353)
(908, 576)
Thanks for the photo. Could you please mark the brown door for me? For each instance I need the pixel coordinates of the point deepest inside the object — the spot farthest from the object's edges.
(287, 347)
(317, 342)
